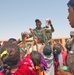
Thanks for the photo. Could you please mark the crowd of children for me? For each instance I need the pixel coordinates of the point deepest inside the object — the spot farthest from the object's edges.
(40, 57)
(40, 60)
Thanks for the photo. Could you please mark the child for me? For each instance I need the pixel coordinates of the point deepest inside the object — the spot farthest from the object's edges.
(60, 55)
(10, 56)
(48, 56)
(46, 53)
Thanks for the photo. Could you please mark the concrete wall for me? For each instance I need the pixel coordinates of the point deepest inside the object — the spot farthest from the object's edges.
(62, 40)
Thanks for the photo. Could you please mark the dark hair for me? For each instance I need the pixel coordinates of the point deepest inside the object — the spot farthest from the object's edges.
(37, 20)
(12, 40)
(47, 50)
(57, 49)
(36, 58)
(71, 3)
(11, 58)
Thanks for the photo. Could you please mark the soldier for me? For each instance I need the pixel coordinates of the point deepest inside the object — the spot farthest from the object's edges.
(72, 34)
(39, 31)
(49, 29)
(70, 42)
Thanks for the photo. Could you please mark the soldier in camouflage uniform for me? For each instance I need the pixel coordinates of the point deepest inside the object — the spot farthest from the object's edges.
(70, 49)
(49, 29)
(39, 31)
(70, 42)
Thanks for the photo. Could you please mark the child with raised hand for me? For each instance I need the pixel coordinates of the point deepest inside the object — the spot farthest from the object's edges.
(34, 58)
(46, 54)
(10, 56)
(60, 55)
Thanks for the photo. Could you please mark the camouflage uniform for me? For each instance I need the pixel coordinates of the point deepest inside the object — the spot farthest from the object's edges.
(49, 34)
(42, 33)
(70, 42)
(70, 62)
(70, 57)
(49, 29)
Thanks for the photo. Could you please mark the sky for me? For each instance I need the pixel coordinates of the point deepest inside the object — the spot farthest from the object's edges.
(17, 16)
